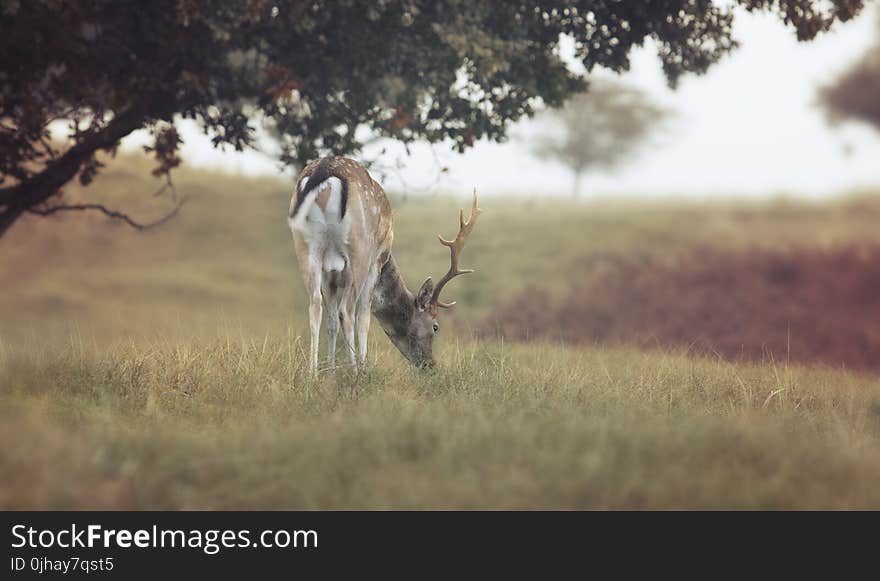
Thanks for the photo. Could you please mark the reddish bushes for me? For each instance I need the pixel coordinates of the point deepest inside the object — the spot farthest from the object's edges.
(806, 305)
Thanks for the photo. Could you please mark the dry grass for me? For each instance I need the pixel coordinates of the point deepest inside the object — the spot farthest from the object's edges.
(235, 424)
(164, 369)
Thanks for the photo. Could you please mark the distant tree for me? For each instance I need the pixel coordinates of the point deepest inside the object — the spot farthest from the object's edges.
(596, 130)
(320, 72)
(855, 95)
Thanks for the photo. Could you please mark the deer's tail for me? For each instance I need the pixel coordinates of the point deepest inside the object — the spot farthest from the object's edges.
(322, 173)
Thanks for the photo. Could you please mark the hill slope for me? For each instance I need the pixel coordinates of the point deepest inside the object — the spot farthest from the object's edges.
(165, 368)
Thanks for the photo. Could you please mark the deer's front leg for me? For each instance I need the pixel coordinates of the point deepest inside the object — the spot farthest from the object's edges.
(332, 305)
(347, 321)
(346, 318)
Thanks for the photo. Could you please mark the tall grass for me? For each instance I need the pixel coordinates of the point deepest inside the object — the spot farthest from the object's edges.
(235, 423)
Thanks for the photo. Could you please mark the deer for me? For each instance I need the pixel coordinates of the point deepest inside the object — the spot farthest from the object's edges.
(342, 227)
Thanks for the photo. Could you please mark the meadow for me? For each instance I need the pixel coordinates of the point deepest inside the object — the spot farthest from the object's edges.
(165, 368)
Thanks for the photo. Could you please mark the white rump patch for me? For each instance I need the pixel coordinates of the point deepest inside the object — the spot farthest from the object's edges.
(325, 232)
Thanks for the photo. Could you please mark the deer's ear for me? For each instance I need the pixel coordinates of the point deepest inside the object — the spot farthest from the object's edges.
(424, 296)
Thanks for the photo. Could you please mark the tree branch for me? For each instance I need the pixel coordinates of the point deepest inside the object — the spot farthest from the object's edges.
(115, 214)
(37, 189)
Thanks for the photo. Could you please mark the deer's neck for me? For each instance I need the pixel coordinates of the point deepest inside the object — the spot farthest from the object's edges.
(393, 303)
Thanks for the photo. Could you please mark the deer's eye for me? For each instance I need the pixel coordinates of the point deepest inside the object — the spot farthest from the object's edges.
(436, 328)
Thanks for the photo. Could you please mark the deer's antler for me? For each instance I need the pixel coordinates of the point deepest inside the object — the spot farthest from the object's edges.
(455, 246)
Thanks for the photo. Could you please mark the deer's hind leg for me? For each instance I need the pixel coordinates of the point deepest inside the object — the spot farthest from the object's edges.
(310, 268)
(313, 284)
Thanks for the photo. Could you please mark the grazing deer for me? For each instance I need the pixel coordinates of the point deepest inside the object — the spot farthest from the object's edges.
(341, 222)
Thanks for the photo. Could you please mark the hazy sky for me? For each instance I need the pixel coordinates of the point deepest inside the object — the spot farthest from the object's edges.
(748, 127)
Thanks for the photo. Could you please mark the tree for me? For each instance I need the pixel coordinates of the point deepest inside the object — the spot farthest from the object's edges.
(855, 96)
(597, 129)
(319, 72)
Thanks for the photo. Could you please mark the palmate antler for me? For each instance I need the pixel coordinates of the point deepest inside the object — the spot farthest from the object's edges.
(455, 246)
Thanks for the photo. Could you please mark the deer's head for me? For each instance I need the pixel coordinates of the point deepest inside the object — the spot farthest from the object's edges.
(416, 323)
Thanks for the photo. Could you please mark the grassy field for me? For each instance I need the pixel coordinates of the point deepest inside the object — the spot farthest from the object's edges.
(165, 368)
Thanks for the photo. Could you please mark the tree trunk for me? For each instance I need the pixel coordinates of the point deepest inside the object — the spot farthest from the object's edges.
(576, 186)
